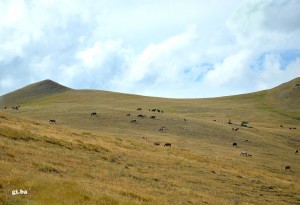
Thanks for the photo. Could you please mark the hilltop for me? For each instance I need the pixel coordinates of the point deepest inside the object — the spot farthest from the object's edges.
(286, 97)
(33, 92)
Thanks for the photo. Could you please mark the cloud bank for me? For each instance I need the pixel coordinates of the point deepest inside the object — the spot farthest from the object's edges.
(159, 48)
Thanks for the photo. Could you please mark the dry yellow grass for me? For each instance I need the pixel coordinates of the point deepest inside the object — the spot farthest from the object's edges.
(104, 159)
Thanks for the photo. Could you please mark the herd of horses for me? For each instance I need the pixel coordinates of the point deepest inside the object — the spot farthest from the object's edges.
(166, 144)
(162, 129)
(13, 107)
(153, 110)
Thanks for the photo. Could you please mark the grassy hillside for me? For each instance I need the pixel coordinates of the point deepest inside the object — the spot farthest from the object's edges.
(105, 159)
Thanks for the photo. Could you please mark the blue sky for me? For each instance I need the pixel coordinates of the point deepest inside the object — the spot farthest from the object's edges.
(164, 48)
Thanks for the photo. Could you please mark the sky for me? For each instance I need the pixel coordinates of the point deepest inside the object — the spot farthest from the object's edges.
(163, 48)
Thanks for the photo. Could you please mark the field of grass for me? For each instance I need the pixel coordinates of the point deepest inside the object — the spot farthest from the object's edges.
(105, 159)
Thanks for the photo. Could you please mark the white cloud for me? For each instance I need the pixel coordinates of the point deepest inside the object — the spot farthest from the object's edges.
(162, 48)
(233, 69)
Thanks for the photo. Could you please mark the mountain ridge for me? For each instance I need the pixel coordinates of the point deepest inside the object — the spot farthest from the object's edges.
(284, 95)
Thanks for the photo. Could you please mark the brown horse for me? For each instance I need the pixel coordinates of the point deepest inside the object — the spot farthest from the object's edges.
(133, 121)
(156, 143)
(152, 117)
(234, 144)
(52, 121)
(167, 145)
(93, 114)
(287, 168)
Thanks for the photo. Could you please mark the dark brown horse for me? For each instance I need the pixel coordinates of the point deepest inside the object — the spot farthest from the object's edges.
(152, 117)
(156, 143)
(234, 144)
(287, 168)
(93, 114)
(167, 145)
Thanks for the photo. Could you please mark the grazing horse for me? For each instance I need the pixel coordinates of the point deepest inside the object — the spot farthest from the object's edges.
(296, 152)
(139, 108)
(15, 107)
(235, 129)
(93, 113)
(234, 144)
(244, 154)
(142, 116)
(153, 110)
(158, 110)
(128, 114)
(156, 143)
(281, 126)
(133, 121)
(287, 168)
(52, 121)
(167, 145)
(152, 117)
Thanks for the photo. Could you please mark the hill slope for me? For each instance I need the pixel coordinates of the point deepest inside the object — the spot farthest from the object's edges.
(106, 159)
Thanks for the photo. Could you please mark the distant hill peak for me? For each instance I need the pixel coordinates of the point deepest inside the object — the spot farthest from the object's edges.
(48, 85)
(34, 91)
